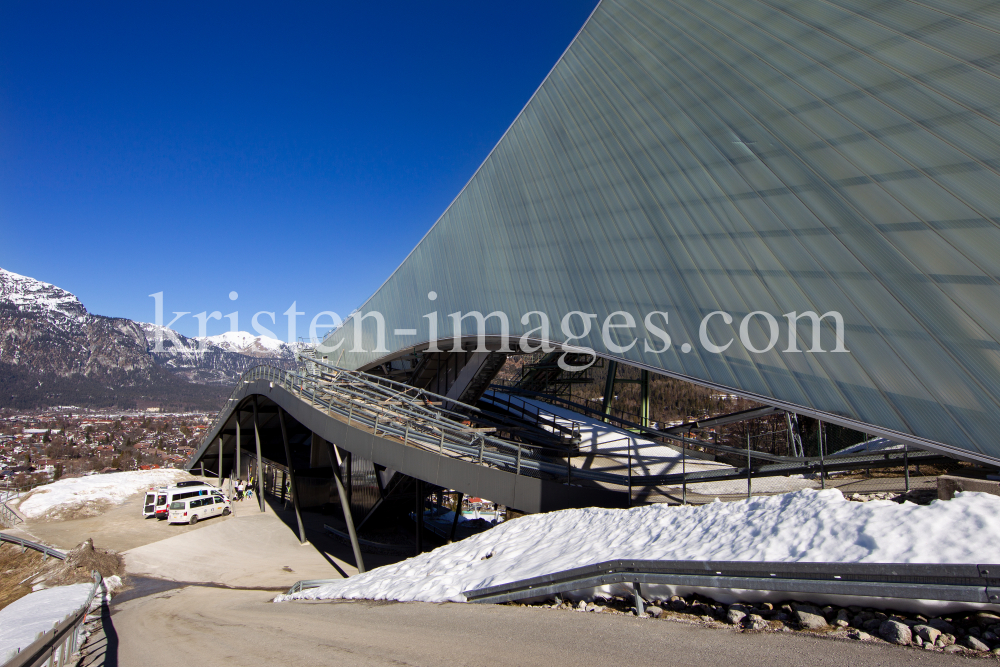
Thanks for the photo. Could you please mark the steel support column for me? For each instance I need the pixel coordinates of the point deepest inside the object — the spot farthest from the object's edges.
(419, 518)
(822, 462)
(260, 458)
(609, 388)
(239, 429)
(336, 464)
(291, 475)
(458, 513)
(644, 409)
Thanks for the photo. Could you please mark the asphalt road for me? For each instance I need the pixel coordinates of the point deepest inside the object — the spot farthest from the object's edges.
(212, 626)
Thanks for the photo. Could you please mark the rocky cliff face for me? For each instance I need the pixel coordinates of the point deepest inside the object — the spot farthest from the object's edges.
(46, 329)
(52, 351)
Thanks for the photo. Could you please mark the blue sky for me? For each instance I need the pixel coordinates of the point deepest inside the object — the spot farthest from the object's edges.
(288, 153)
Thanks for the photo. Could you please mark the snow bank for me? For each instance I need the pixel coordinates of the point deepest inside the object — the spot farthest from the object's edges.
(807, 525)
(113, 488)
(23, 619)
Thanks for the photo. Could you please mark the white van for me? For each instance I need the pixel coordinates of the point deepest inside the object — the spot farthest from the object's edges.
(192, 510)
(182, 492)
(154, 498)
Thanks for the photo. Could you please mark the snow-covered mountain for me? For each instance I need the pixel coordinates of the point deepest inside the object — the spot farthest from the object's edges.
(47, 329)
(217, 359)
(53, 351)
(254, 346)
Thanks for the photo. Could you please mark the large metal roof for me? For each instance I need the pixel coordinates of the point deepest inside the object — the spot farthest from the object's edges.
(741, 156)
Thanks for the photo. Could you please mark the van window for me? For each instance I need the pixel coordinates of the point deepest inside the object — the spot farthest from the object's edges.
(195, 503)
(160, 500)
(177, 505)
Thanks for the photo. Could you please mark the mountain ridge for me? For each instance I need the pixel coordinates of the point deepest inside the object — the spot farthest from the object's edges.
(53, 351)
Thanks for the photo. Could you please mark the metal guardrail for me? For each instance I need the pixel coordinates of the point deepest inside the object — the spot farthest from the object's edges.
(978, 584)
(56, 647)
(8, 517)
(48, 551)
(301, 586)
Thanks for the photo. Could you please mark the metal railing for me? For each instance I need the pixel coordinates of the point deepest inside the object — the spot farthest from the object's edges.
(28, 544)
(426, 420)
(56, 647)
(413, 416)
(979, 584)
(754, 463)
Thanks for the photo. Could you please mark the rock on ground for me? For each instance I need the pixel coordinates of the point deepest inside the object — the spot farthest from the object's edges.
(895, 632)
(927, 633)
(809, 619)
(971, 642)
(735, 616)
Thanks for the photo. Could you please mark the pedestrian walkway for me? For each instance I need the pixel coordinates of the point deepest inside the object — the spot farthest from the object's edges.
(251, 549)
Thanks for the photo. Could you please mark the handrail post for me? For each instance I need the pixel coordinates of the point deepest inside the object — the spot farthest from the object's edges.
(482, 441)
(406, 434)
(441, 445)
(517, 470)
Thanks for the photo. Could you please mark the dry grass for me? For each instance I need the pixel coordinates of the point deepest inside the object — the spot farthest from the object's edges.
(16, 572)
(19, 572)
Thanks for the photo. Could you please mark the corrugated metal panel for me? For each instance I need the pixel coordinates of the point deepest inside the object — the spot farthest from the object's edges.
(750, 155)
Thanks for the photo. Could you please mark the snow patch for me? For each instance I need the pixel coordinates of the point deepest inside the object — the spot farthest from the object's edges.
(112, 488)
(806, 525)
(33, 296)
(22, 620)
(111, 584)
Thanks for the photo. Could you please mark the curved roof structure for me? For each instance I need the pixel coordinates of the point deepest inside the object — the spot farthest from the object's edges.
(781, 156)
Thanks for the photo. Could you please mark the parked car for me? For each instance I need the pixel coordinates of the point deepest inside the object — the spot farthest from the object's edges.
(192, 510)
